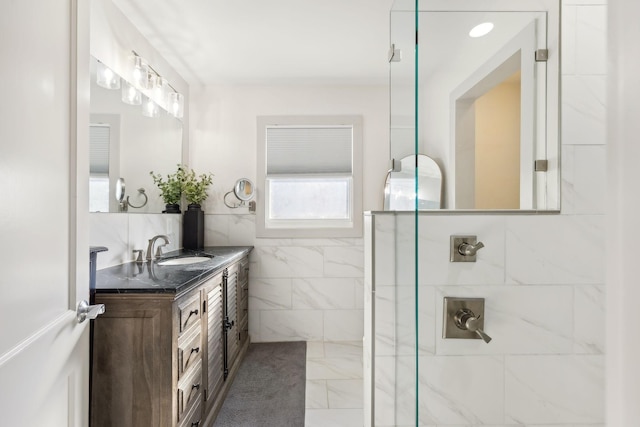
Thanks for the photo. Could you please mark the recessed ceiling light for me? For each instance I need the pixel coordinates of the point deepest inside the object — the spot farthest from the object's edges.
(481, 30)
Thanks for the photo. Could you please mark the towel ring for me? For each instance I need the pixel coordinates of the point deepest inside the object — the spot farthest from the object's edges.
(146, 199)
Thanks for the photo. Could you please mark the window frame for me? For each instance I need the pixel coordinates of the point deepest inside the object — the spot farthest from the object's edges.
(312, 228)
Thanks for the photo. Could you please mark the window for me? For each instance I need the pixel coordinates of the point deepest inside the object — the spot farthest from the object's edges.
(99, 137)
(310, 168)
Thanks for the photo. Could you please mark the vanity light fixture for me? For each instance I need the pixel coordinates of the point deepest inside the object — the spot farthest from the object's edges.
(149, 107)
(176, 104)
(130, 95)
(481, 29)
(159, 93)
(139, 72)
(106, 78)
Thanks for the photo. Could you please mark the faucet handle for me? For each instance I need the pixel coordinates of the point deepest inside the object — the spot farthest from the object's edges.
(139, 259)
(159, 250)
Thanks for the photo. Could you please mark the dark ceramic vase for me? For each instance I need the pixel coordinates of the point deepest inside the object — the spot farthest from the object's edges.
(172, 208)
(193, 228)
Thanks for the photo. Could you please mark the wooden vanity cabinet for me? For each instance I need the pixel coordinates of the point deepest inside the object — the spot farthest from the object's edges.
(167, 360)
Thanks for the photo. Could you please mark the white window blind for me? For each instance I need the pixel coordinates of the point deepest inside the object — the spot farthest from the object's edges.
(99, 136)
(310, 173)
(309, 150)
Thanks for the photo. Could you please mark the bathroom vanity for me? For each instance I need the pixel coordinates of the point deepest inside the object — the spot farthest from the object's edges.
(167, 348)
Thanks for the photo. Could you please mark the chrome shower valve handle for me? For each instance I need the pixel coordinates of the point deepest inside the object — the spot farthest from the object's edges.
(468, 249)
(463, 248)
(466, 320)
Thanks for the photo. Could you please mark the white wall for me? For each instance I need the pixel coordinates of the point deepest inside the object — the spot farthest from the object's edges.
(301, 289)
(623, 290)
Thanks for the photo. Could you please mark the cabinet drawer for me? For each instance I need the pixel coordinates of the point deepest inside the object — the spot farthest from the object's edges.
(189, 312)
(189, 390)
(193, 418)
(189, 351)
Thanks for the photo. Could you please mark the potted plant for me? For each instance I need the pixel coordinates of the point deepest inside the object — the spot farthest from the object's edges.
(171, 188)
(194, 188)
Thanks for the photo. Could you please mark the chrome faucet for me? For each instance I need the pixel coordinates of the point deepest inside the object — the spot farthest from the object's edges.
(152, 242)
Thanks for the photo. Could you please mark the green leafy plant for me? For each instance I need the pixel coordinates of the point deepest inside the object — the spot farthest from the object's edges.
(195, 186)
(170, 188)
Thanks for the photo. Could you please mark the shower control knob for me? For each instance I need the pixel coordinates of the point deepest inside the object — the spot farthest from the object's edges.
(467, 249)
(466, 320)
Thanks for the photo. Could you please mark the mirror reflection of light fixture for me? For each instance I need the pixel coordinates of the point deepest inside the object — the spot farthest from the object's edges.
(106, 78)
(176, 104)
(244, 191)
(130, 95)
(149, 108)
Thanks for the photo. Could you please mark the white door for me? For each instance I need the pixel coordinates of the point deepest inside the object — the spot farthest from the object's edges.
(44, 244)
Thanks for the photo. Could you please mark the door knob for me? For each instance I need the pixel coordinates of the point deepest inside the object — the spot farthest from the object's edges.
(85, 311)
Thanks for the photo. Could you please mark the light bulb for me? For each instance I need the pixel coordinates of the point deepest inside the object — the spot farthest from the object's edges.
(159, 93)
(176, 104)
(130, 95)
(149, 108)
(140, 73)
(106, 78)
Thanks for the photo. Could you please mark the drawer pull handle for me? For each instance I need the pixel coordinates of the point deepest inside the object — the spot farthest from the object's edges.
(196, 386)
(195, 424)
(191, 313)
(193, 350)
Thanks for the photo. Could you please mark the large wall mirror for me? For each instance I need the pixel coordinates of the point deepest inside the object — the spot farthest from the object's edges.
(125, 146)
(487, 104)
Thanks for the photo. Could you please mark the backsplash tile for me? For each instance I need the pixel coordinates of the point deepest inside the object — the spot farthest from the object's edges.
(122, 233)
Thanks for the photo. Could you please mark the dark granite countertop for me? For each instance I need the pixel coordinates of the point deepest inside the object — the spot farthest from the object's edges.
(150, 277)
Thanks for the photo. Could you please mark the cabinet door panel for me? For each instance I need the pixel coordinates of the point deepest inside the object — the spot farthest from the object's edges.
(215, 351)
(231, 317)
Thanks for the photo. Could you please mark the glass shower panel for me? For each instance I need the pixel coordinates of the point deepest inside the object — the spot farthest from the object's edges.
(399, 372)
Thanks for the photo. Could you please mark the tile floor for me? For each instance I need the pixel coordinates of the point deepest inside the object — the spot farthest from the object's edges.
(334, 384)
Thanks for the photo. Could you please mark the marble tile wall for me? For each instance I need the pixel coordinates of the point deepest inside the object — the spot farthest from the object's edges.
(301, 289)
(121, 233)
(542, 278)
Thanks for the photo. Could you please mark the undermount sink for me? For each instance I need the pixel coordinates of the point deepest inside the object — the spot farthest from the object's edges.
(184, 260)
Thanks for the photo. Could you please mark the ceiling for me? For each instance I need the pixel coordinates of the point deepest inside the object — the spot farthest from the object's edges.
(344, 42)
(268, 42)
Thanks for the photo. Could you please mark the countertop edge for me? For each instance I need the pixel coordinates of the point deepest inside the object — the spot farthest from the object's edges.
(120, 283)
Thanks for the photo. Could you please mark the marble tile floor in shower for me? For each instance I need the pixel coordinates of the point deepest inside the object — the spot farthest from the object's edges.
(334, 384)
